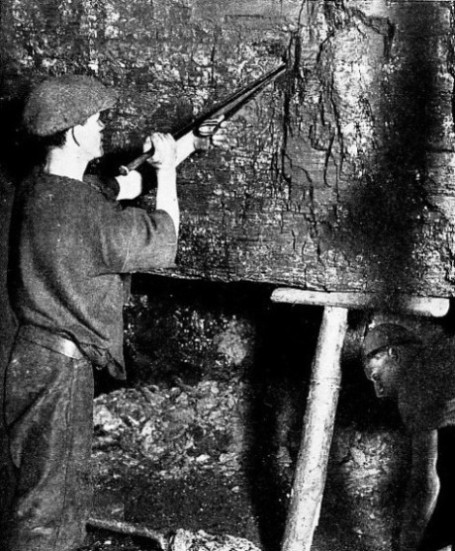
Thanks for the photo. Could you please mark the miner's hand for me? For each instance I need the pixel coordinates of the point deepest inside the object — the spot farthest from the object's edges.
(165, 151)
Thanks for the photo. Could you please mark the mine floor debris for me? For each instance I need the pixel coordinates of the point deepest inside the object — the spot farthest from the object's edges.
(174, 460)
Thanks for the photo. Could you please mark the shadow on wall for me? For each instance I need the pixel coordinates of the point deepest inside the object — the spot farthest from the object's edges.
(15, 160)
(386, 208)
(12, 163)
(278, 379)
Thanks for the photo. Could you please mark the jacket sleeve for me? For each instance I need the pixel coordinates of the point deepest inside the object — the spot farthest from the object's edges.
(422, 490)
(153, 244)
(133, 240)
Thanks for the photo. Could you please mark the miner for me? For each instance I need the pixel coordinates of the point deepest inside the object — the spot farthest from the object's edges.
(74, 244)
(420, 378)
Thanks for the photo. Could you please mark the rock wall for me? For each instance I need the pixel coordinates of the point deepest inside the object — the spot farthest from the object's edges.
(338, 177)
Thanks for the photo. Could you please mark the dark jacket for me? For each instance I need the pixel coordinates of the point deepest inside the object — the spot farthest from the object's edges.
(426, 397)
(74, 246)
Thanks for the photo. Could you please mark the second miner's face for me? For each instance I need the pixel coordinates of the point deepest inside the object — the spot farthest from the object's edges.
(382, 369)
(92, 137)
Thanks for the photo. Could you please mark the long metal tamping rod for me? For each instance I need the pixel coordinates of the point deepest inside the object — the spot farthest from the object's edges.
(208, 123)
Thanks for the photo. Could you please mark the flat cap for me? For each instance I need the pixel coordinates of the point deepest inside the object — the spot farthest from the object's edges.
(387, 334)
(59, 103)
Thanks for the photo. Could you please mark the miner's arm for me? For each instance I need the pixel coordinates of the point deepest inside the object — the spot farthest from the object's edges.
(188, 139)
(422, 489)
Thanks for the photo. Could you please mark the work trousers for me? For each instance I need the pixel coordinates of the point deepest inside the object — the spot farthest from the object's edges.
(49, 424)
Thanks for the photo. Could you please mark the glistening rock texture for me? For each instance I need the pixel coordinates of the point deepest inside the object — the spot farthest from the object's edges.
(339, 176)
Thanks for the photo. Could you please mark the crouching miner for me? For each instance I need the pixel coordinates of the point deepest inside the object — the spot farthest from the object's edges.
(421, 379)
(74, 244)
